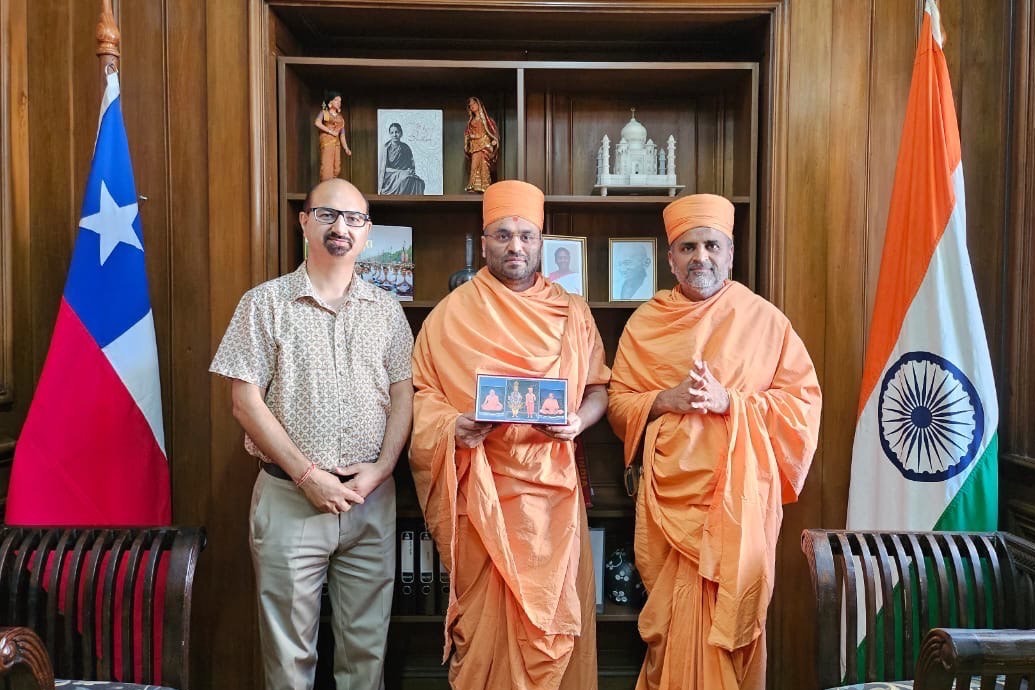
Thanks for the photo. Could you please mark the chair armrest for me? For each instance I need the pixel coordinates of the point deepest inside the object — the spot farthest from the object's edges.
(22, 652)
(949, 653)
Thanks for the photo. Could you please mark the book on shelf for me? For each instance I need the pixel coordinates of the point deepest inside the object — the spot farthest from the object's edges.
(387, 260)
(426, 574)
(406, 585)
(583, 469)
(596, 545)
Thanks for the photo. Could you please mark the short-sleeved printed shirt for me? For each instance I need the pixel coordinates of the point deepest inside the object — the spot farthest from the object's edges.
(325, 374)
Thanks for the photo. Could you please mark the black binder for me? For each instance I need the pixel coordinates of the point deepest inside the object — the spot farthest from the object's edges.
(443, 587)
(406, 586)
(426, 574)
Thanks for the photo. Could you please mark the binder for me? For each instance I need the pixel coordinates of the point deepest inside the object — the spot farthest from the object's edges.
(443, 587)
(406, 586)
(596, 545)
(583, 470)
(426, 574)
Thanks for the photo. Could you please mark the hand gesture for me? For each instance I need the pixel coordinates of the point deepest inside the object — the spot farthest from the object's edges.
(364, 477)
(469, 433)
(563, 432)
(706, 393)
(699, 393)
(327, 494)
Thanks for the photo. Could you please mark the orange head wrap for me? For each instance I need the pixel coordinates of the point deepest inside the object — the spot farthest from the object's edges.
(698, 211)
(513, 198)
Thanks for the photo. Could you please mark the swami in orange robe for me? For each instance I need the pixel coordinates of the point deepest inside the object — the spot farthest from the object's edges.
(551, 406)
(714, 391)
(492, 402)
(503, 500)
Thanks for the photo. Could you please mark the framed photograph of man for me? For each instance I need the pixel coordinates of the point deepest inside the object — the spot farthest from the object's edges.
(521, 400)
(631, 269)
(409, 157)
(564, 262)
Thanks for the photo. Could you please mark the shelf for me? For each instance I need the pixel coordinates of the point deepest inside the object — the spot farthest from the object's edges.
(615, 305)
(551, 200)
(613, 613)
(437, 618)
(409, 200)
(420, 304)
(611, 513)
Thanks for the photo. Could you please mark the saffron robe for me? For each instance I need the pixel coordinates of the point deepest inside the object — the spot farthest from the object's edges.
(507, 516)
(711, 496)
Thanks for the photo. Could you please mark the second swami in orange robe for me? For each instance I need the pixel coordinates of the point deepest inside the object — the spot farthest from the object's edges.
(710, 500)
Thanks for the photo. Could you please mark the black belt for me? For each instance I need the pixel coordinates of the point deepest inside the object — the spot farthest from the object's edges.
(274, 470)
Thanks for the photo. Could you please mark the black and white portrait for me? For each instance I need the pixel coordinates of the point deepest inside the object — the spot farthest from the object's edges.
(632, 269)
(410, 152)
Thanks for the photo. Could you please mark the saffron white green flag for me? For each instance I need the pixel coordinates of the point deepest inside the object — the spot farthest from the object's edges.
(926, 442)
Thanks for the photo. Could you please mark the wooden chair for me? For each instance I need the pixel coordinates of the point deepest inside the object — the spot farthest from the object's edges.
(100, 598)
(892, 588)
(23, 661)
(956, 657)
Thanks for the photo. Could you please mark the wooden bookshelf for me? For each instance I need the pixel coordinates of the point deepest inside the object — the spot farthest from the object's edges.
(551, 114)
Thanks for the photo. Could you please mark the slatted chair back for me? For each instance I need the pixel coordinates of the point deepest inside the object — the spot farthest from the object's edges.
(109, 603)
(892, 587)
(1022, 552)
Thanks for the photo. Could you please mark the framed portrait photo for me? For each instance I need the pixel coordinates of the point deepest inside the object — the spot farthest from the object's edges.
(564, 262)
(632, 273)
(409, 160)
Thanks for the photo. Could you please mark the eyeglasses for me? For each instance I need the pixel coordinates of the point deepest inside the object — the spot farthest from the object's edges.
(505, 236)
(329, 216)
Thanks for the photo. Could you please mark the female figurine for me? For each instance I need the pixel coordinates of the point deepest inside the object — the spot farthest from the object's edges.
(331, 124)
(481, 144)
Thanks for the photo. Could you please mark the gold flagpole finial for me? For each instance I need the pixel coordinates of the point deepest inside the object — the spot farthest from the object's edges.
(108, 39)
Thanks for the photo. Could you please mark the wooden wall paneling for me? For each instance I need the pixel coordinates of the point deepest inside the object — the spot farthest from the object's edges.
(1017, 439)
(236, 262)
(51, 196)
(14, 180)
(533, 158)
(262, 161)
(705, 175)
(851, 90)
(980, 84)
(774, 106)
(188, 267)
(804, 276)
(893, 37)
(86, 89)
(1015, 430)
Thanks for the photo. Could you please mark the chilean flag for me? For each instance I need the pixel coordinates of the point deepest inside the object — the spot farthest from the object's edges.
(92, 450)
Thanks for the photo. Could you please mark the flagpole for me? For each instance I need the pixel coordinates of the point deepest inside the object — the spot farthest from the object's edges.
(108, 40)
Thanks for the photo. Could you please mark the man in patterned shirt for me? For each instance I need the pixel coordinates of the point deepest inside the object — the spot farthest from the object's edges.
(319, 363)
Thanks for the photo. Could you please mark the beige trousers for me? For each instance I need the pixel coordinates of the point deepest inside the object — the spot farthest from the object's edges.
(294, 550)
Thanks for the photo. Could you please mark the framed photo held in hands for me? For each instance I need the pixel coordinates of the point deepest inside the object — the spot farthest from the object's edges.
(632, 273)
(521, 400)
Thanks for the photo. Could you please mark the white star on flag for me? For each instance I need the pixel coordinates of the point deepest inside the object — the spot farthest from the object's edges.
(113, 223)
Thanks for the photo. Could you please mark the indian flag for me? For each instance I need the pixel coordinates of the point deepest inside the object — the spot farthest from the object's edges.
(926, 442)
